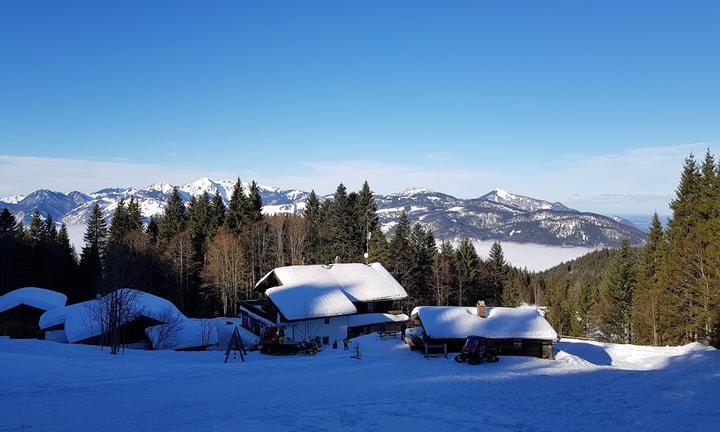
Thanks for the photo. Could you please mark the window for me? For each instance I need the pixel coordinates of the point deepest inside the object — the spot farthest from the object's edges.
(326, 340)
(327, 320)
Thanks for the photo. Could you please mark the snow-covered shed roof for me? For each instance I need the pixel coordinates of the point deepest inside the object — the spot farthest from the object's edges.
(186, 333)
(314, 291)
(82, 322)
(39, 298)
(457, 322)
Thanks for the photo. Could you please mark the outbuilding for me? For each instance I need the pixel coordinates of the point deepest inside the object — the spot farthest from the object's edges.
(86, 323)
(329, 302)
(20, 311)
(514, 331)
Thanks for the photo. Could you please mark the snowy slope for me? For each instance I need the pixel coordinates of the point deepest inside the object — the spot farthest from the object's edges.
(590, 387)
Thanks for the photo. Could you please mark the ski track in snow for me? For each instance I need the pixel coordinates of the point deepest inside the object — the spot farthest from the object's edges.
(48, 386)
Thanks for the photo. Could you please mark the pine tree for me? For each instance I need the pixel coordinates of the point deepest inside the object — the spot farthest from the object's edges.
(8, 224)
(343, 245)
(378, 247)
(423, 247)
(91, 258)
(498, 269)
(616, 294)
(174, 217)
(313, 248)
(200, 219)
(120, 223)
(217, 214)
(650, 298)
(255, 204)
(238, 212)
(401, 257)
(511, 289)
(467, 262)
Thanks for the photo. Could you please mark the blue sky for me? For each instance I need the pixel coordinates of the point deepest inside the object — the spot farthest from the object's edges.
(591, 103)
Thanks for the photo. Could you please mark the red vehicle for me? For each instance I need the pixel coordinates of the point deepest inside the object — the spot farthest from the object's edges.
(477, 350)
(274, 341)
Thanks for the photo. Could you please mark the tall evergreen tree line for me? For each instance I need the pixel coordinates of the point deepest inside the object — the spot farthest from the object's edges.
(666, 292)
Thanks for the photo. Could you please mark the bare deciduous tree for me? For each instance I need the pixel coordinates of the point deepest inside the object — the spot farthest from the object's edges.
(113, 311)
(225, 269)
(173, 324)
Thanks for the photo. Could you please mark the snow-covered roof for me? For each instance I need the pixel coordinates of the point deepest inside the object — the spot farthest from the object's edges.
(39, 298)
(374, 318)
(314, 291)
(187, 333)
(457, 322)
(81, 320)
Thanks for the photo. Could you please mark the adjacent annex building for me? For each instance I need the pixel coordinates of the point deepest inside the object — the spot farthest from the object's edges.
(330, 302)
(21, 309)
(515, 331)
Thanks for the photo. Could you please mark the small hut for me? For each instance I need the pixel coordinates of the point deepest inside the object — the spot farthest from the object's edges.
(514, 331)
(20, 311)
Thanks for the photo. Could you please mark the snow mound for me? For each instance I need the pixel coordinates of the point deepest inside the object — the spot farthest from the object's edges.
(185, 334)
(39, 298)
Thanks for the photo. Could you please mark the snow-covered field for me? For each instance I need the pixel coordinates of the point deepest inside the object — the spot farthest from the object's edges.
(46, 386)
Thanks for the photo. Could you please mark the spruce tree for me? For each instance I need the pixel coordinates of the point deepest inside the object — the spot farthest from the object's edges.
(37, 232)
(445, 275)
(313, 248)
(511, 289)
(616, 294)
(255, 205)
(8, 224)
(467, 262)
(423, 247)
(217, 214)
(237, 214)
(378, 247)
(152, 229)
(650, 299)
(134, 215)
(91, 258)
(174, 217)
(200, 219)
(120, 223)
(498, 268)
(401, 257)
(342, 241)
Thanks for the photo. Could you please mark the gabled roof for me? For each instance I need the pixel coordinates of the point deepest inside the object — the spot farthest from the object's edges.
(458, 322)
(81, 319)
(39, 298)
(315, 291)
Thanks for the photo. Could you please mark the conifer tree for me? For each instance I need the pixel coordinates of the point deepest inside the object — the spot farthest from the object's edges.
(342, 227)
(255, 205)
(152, 229)
(120, 223)
(511, 289)
(50, 228)
(134, 215)
(237, 214)
(378, 247)
(217, 217)
(37, 232)
(650, 299)
(8, 224)
(467, 262)
(200, 219)
(401, 258)
(616, 294)
(174, 217)
(498, 268)
(313, 246)
(423, 247)
(91, 258)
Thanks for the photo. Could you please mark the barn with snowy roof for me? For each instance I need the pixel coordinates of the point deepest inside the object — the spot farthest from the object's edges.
(329, 302)
(514, 331)
(21, 309)
(142, 321)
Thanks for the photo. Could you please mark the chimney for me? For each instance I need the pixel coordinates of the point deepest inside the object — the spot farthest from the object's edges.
(481, 309)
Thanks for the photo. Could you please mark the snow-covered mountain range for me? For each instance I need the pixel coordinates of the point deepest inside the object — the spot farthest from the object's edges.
(497, 215)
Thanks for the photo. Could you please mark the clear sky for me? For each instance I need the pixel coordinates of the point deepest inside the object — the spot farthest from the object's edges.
(594, 103)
